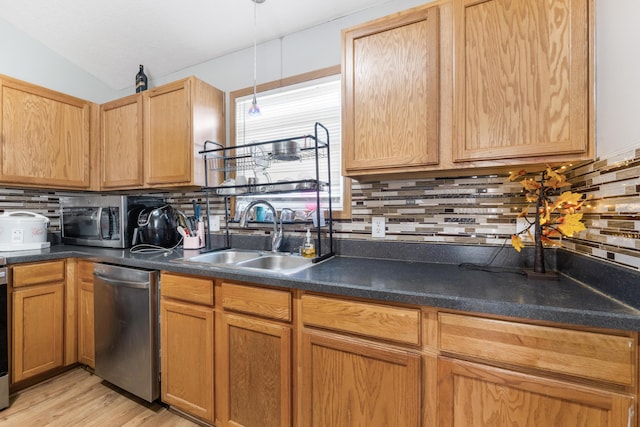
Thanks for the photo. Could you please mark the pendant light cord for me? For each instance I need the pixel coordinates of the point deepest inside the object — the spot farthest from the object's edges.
(255, 47)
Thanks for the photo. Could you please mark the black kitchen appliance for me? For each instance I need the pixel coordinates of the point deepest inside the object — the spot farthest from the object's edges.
(156, 226)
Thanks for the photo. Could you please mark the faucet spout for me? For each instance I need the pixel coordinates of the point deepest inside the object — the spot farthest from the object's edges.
(276, 239)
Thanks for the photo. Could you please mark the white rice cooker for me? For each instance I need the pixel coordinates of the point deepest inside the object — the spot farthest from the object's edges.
(22, 230)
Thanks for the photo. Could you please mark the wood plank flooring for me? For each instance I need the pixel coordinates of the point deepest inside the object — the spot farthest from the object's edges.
(79, 398)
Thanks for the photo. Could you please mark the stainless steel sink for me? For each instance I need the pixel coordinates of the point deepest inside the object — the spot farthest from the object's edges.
(281, 263)
(256, 260)
(230, 256)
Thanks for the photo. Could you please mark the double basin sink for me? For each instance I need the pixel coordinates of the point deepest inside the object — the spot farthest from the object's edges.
(255, 260)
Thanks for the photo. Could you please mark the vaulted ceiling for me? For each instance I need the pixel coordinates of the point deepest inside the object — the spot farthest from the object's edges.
(109, 38)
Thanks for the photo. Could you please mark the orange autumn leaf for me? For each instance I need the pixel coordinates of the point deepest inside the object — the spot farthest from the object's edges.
(516, 242)
(556, 180)
(531, 198)
(530, 184)
(572, 224)
(515, 175)
(524, 212)
(568, 198)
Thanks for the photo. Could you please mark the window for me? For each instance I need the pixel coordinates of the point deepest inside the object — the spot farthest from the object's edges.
(291, 108)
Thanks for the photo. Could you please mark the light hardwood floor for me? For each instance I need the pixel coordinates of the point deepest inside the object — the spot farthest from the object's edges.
(79, 398)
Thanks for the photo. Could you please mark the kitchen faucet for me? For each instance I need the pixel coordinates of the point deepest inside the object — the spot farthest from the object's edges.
(276, 239)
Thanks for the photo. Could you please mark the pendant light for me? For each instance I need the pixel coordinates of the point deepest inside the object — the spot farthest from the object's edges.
(255, 110)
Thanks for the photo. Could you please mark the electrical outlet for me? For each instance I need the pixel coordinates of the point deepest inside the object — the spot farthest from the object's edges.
(521, 225)
(377, 226)
(214, 220)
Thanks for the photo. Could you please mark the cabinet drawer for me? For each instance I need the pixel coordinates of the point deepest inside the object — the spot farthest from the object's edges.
(34, 274)
(589, 355)
(372, 320)
(271, 303)
(187, 288)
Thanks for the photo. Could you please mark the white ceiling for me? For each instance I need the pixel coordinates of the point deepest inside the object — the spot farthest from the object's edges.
(109, 38)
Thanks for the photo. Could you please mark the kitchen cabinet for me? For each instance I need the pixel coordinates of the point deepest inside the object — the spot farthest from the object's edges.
(86, 337)
(45, 137)
(38, 310)
(474, 395)
(122, 143)
(255, 356)
(187, 344)
(391, 93)
(499, 372)
(153, 138)
(178, 118)
(486, 85)
(522, 78)
(347, 380)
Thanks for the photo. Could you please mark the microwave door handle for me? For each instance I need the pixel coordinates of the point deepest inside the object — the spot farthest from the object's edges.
(101, 214)
(99, 225)
(111, 214)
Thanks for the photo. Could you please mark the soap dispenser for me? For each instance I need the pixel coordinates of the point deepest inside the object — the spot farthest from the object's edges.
(308, 247)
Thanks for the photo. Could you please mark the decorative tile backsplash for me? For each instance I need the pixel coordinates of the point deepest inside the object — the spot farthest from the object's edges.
(477, 210)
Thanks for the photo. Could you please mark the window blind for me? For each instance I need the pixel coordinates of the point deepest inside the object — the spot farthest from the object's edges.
(290, 112)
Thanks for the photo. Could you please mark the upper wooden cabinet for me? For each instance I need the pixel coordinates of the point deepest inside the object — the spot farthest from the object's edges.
(44, 137)
(390, 93)
(152, 139)
(522, 79)
(461, 84)
(178, 118)
(121, 143)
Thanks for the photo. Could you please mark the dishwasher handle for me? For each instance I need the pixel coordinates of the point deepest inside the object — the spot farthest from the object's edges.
(123, 283)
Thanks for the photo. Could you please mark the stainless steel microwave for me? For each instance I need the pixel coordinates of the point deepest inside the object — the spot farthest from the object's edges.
(102, 220)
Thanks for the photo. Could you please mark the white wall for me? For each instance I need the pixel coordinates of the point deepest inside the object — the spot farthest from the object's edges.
(26, 59)
(308, 50)
(617, 76)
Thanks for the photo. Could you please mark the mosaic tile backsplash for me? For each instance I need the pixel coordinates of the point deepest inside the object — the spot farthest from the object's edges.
(478, 210)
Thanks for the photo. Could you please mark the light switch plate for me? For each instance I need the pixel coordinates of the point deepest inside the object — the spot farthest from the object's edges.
(377, 226)
(214, 220)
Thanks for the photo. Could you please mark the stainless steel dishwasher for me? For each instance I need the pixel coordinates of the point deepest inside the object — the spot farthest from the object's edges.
(126, 329)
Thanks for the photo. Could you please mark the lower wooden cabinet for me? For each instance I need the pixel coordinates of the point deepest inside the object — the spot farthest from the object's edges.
(475, 395)
(38, 334)
(187, 339)
(86, 335)
(353, 382)
(254, 356)
(255, 374)
(38, 318)
(187, 358)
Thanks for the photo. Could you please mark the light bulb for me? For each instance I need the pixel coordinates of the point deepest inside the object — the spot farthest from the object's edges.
(254, 111)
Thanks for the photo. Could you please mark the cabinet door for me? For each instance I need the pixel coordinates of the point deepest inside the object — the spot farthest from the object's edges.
(473, 395)
(390, 89)
(38, 313)
(86, 336)
(45, 137)
(256, 367)
(121, 147)
(349, 382)
(522, 78)
(168, 143)
(187, 358)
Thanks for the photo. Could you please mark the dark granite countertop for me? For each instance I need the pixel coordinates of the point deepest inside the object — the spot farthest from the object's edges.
(435, 284)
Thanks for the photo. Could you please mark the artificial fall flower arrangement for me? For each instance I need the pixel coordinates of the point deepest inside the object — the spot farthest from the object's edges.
(553, 217)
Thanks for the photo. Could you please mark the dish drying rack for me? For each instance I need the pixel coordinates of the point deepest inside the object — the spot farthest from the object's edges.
(256, 155)
(259, 156)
